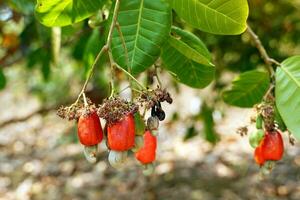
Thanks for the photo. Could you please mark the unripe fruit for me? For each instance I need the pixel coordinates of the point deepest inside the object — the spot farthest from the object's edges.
(272, 146)
(147, 153)
(256, 137)
(153, 123)
(89, 130)
(259, 122)
(120, 135)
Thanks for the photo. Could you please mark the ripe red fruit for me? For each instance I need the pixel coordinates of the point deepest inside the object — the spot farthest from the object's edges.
(147, 153)
(258, 156)
(89, 130)
(120, 135)
(272, 146)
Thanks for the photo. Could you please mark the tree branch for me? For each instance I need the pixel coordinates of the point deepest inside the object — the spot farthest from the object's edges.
(267, 59)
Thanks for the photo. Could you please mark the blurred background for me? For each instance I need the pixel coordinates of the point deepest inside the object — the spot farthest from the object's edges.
(200, 155)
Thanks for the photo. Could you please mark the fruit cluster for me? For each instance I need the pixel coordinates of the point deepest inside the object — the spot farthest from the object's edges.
(125, 129)
(270, 148)
(267, 140)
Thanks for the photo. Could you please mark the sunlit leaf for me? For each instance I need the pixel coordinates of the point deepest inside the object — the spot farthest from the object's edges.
(186, 57)
(226, 17)
(288, 94)
(145, 25)
(66, 12)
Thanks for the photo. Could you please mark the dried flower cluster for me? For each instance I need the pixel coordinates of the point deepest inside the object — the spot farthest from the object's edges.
(151, 99)
(113, 110)
(74, 111)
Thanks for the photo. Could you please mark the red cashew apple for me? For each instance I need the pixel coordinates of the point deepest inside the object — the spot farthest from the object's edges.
(147, 153)
(89, 130)
(272, 146)
(120, 135)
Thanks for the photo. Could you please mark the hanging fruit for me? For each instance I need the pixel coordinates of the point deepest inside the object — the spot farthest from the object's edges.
(147, 153)
(89, 129)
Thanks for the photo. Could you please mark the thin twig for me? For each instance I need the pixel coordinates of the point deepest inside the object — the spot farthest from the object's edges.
(156, 75)
(104, 48)
(129, 86)
(109, 40)
(267, 59)
(269, 92)
(124, 46)
(126, 55)
(84, 100)
(113, 23)
(130, 76)
(122, 90)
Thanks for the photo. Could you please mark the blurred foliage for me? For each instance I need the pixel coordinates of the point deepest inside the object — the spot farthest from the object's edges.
(206, 115)
(26, 42)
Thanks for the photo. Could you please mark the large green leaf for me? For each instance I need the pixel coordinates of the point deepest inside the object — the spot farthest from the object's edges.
(288, 94)
(186, 57)
(247, 89)
(65, 12)
(226, 17)
(145, 25)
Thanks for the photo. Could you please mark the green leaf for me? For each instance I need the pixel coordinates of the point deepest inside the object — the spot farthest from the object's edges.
(288, 93)
(185, 43)
(248, 89)
(226, 17)
(259, 122)
(184, 56)
(66, 12)
(145, 25)
(2, 80)
(279, 121)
